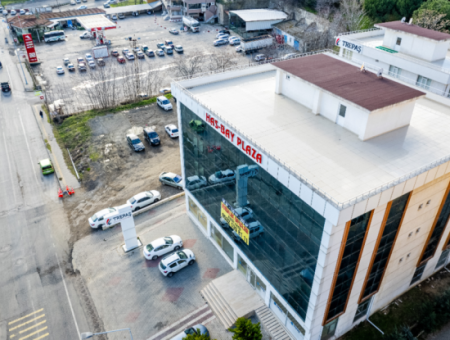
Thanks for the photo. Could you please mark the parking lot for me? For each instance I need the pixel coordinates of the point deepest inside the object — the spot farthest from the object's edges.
(147, 30)
(130, 291)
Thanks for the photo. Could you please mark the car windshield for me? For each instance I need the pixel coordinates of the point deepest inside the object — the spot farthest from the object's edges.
(132, 200)
(168, 240)
(182, 255)
(135, 141)
(177, 179)
(94, 218)
(162, 265)
(165, 102)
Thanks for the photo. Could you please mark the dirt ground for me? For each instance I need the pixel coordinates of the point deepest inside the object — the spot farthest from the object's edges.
(112, 172)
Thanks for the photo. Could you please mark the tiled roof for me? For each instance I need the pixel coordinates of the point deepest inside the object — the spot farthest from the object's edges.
(347, 81)
(414, 29)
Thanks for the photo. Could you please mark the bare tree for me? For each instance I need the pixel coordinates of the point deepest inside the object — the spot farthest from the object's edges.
(352, 15)
(222, 61)
(189, 66)
(432, 20)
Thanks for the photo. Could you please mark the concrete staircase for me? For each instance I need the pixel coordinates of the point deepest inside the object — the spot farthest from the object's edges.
(218, 304)
(271, 323)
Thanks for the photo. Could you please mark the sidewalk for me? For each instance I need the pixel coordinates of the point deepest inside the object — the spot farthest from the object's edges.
(56, 155)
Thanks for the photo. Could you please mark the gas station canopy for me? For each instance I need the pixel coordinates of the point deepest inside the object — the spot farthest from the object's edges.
(96, 23)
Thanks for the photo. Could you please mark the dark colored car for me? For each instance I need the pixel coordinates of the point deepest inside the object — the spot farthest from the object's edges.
(151, 136)
(115, 53)
(135, 143)
(5, 87)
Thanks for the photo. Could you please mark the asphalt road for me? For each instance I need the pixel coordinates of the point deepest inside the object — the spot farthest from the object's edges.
(37, 299)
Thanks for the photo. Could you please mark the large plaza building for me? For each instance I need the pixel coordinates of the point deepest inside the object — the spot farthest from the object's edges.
(325, 185)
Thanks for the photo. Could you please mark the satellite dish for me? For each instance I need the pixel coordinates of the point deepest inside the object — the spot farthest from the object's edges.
(403, 20)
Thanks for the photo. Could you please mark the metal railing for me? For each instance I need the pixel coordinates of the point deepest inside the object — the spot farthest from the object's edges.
(305, 181)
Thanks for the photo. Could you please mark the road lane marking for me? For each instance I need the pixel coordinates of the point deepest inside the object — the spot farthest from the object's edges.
(27, 329)
(23, 324)
(31, 334)
(68, 297)
(42, 336)
(26, 316)
(28, 147)
(9, 166)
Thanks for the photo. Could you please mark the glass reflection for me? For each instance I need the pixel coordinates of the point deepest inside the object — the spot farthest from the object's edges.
(285, 241)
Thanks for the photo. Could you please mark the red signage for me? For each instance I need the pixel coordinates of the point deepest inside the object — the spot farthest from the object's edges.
(250, 151)
(29, 46)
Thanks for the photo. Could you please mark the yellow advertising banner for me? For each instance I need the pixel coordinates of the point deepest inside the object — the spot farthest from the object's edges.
(228, 214)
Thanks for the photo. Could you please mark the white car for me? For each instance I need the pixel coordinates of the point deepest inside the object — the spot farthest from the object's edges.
(176, 261)
(260, 57)
(129, 56)
(164, 103)
(169, 178)
(91, 63)
(59, 70)
(196, 182)
(89, 57)
(85, 35)
(82, 7)
(222, 176)
(162, 246)
(244, 213)
(97, 221)
(222, 35)
(143, 199)
(172, 131)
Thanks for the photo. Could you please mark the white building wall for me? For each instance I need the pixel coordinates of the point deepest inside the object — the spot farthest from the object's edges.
(388, 119)
(413, 45)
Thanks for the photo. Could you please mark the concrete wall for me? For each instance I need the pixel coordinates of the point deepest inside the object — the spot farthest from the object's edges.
(413, 45)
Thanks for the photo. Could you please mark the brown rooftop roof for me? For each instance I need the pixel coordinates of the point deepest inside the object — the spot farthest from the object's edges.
(414, 29)
(347, 81)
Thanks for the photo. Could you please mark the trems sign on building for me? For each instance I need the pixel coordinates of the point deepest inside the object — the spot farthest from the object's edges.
(348, 45)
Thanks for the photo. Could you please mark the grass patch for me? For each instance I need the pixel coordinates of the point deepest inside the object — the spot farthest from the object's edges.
(94, 156)
(129, 3)
(47, 145)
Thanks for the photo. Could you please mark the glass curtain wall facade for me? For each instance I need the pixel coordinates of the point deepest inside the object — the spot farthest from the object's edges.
(286, 252)
(439, 228)
(348, 264)
(391, 227)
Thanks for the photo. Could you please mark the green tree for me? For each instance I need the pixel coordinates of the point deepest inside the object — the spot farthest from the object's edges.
(246, 330)
(197, 336)
(406, 8)
(381, 10)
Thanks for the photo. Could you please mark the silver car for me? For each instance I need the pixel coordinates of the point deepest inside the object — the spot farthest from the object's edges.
(174, 180)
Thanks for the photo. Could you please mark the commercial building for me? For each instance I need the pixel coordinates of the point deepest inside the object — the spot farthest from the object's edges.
(345, 177)
(408, 52)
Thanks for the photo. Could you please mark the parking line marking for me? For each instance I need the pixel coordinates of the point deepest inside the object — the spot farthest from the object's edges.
(38, 324)
(26, 316)
(22, 324)
(42, 336)
(39, 330)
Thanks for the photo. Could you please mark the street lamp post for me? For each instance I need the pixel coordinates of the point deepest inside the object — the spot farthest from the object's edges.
(87, 335)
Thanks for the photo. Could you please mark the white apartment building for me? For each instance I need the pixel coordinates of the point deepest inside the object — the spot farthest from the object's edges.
(347, 177)
(413, 54)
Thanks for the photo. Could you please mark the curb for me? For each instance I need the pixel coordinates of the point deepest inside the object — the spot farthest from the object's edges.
(168, 199)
